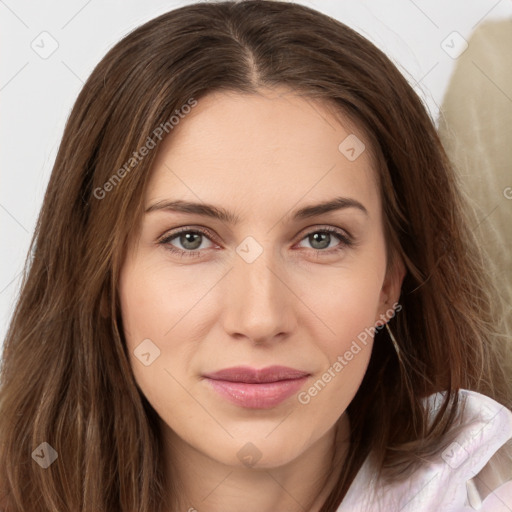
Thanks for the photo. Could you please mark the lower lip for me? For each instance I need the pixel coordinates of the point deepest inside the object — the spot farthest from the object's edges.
(257, 396)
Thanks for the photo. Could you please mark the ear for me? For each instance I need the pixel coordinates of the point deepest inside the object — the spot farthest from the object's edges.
(390, 292)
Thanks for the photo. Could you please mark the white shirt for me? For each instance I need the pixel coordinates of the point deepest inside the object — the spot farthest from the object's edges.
(448, 484)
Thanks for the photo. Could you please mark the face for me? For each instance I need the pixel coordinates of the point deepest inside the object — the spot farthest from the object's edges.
(249, 331)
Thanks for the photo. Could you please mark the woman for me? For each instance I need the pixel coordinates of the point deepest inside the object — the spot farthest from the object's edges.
(245, 194)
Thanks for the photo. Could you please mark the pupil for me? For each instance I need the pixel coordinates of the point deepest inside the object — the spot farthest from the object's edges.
(325, 237)
(185, 240)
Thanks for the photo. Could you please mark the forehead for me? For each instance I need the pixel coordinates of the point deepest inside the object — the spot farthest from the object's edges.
(275, 146)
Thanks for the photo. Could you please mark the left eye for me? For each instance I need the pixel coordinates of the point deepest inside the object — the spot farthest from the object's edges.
(191, 241)
(323, 238)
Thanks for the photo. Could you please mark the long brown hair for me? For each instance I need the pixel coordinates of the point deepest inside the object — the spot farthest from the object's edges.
(66, 378)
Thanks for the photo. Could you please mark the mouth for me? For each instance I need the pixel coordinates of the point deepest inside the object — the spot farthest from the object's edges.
(257, 389)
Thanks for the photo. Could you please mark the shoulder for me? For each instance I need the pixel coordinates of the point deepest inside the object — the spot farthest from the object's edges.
(484, 452)
(474, 472)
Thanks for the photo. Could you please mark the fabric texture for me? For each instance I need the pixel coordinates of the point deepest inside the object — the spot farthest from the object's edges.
(472, 473)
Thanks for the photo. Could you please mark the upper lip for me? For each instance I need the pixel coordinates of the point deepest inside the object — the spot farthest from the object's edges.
(254, 376)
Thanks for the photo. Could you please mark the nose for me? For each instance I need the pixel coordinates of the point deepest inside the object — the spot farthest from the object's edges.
(258, 302)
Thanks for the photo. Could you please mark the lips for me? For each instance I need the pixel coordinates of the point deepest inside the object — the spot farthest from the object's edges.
(257, 388)
(253, 376)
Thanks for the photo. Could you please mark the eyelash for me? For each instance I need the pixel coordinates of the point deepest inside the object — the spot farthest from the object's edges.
(345, 239)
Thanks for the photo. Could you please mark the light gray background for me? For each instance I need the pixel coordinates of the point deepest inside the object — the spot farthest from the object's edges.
(37, 94)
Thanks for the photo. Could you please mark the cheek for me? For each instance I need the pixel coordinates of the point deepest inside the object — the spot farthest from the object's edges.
(160, 306)
(153, 300)
(142, 316)
(145, 301)
(348, 310)
(347, 302)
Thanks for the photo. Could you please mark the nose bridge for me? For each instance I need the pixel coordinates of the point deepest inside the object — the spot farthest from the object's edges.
(253, 265)
(258, 305)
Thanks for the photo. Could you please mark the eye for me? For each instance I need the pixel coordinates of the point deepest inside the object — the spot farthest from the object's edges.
(190, 239)
(321, 239)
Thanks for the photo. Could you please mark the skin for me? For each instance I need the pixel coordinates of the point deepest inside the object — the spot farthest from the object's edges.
(261, 157)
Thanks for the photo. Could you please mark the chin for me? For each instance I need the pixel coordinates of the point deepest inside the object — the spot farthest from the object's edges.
(258, 452)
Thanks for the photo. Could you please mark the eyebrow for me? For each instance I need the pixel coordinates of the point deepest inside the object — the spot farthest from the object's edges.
(216, 212)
